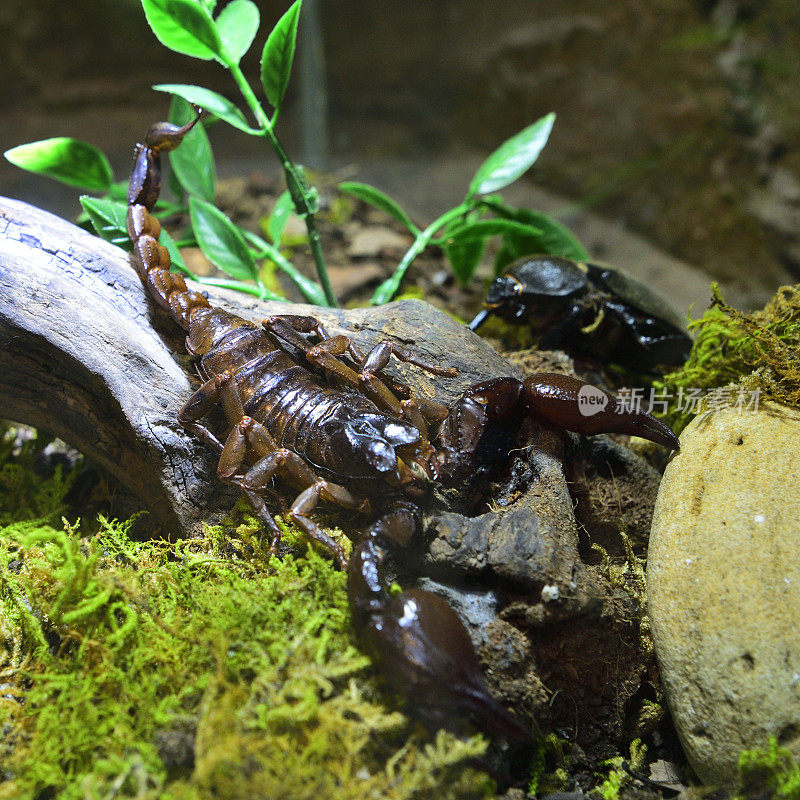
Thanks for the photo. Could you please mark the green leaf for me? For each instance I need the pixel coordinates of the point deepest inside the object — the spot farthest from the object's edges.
(375, 197)
(209, 101)
(278, 54)
(186, 27)
(281, 212)
(464, 242)
(556, 239)
(512, 159)
(192, 161)
(553, 237)
(109, 219)
(221, 241)
(176, 188)
(483, 228)
(464, 258)
(237, 25)
(70, 161)
(178, 264)
(259, 246)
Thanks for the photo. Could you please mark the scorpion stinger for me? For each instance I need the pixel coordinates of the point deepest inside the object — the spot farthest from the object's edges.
(310, 410)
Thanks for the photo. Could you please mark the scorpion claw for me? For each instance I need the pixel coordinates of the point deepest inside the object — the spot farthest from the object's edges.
(574, 405)
(423, 648)
(428, 657)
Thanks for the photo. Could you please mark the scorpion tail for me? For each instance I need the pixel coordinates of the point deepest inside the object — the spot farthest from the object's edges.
(423, 648)
(152, 260)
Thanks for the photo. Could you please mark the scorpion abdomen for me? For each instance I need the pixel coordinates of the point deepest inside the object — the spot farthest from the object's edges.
(336, 430)
(210, 327)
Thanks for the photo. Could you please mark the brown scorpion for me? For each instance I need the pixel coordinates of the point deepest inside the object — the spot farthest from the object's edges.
(310, 409)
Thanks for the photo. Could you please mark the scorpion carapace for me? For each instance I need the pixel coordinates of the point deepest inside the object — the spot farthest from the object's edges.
(311, 410)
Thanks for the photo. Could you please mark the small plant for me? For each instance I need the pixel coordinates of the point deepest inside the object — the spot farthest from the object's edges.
(621, 770)
(190, 27)
(771, 771)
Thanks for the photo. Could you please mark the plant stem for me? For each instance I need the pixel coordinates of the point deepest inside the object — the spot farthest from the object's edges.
(387, 290)
(294, 181)
(260, 291)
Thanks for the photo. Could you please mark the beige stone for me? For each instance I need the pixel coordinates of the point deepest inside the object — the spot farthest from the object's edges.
(723, 577)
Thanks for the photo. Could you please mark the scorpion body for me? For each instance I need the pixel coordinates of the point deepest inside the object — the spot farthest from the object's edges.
(311, 410)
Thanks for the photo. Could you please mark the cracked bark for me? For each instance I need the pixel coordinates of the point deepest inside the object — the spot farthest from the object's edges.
(85, 355)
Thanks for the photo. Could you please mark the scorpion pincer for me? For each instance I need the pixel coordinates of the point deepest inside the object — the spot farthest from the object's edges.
(310, 409)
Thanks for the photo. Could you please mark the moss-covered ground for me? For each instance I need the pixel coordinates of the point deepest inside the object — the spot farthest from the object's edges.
(736, 354)
(197, 669)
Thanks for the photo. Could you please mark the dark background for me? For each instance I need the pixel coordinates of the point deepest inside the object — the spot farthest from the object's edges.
(677, 120)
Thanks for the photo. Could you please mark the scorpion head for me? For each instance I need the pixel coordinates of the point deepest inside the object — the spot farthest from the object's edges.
(377, 446)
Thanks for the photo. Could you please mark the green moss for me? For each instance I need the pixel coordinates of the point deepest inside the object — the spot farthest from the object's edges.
(548, 766)
(618, 776)
(750, 352)
(25, 497)
(771, 771)
(194, 670)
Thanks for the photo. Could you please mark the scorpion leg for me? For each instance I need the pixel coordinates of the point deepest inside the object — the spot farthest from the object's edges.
(416, 410)
(286, 325)
(201, 403)
(423, 648)
(327, 354)
(275, 460)
(220, 387)
(378, 358)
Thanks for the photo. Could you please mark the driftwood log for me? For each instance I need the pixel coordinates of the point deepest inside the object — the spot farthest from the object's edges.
(86, 355)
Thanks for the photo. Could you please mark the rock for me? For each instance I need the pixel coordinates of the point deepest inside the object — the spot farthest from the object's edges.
(531, 542)
(377, 240)
(723, 584)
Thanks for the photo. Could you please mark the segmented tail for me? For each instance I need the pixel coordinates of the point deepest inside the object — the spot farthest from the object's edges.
(150, 258)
